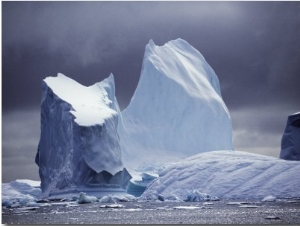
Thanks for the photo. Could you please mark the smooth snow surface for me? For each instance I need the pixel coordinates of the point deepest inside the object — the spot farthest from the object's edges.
(290, 143)
(227, 174)
(91, 105)
(79, 144)
(177, 109)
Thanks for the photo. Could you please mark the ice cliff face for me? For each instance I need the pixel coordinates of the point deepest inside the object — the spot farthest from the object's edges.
(290, 143)
(177, 109)
(79, 143)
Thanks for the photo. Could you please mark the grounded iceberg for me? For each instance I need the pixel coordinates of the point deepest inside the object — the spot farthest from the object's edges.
(227, 175)
(290, 143)
(176, 113)
(177, 109)
(79, 144)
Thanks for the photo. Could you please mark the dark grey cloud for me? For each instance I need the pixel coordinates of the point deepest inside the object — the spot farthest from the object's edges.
(253, 47)
(20, 136)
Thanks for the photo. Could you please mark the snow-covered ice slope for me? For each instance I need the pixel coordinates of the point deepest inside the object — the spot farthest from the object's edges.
(79, 143)
(20, 193)
(228, 174)
(290, 143)
(177, 109)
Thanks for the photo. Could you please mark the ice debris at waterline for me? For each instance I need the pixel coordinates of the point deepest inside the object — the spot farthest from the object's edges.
(27, 193)
(290, 143)
(269, 198)
(84, 198)
(20, 193)
(177, 109)
(79, 144)
(229, 175)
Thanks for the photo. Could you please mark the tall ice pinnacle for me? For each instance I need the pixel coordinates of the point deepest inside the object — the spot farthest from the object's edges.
(177, 109)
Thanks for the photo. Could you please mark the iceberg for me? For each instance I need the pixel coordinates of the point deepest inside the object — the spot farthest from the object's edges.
(176, 111)
(79, 145)
(227, 175)
(290, 143)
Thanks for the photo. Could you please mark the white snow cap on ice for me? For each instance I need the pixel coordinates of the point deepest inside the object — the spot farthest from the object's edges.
(177, 109)
(91, 104)
(227, 174)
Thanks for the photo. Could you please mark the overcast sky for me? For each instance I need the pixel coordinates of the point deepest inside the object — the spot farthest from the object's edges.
(253, 47)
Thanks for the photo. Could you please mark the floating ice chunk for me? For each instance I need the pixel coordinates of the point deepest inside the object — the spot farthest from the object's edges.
(83, 198)
(248, 206)
(208, 203)
(107, 199)
(186, 207)
(71, 204)
(269, 198)
(196, 196)
(45, 204)
(172, 197)
(125, 198)
(132, 210)
(234, 203)
(272, 217)
(112, 206)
